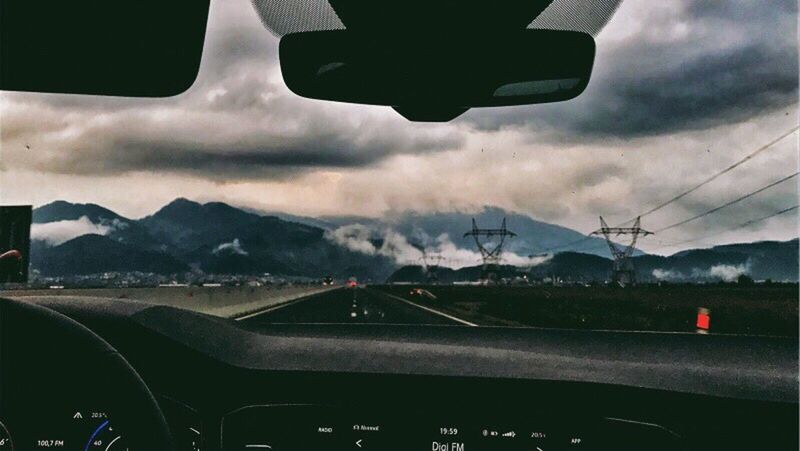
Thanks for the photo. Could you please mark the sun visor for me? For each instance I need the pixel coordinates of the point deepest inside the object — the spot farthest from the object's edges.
(144, 48)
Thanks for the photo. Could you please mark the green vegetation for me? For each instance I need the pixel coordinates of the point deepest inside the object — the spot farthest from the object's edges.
(768, 309)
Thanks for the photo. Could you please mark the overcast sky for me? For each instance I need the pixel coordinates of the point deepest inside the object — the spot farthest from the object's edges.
(681, 89)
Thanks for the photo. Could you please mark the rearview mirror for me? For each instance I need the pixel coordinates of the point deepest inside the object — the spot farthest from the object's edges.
(438, 77)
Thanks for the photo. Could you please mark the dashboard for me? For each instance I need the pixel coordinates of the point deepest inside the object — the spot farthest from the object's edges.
(309, 427)
(227, 385)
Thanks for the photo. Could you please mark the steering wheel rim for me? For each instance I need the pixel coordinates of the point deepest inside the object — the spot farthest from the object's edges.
(30, 334)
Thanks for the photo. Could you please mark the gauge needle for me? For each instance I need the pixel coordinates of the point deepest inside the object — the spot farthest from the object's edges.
(112, 442)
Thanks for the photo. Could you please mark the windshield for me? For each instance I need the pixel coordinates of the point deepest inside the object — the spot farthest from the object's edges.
(663, 197)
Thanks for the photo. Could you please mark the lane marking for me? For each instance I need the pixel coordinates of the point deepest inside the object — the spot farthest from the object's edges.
(428, 309)
(272, 308)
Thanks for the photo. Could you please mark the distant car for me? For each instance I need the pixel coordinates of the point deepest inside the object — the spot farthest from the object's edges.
(327, 281)
(352, 282)
(421, 292)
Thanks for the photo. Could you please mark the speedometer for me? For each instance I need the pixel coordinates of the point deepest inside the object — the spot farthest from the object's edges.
(105, 437)
(5, 438)
(78, 430)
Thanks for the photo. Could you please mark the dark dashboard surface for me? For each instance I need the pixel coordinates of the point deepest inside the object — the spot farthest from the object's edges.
(451, 388)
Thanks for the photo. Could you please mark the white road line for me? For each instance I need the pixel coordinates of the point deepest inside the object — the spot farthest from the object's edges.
(428, 309)
(276, 307)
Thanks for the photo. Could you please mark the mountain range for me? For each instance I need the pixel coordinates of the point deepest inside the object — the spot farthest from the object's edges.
(423, 229)
(183, 235)
(765, 260)
(73, 239)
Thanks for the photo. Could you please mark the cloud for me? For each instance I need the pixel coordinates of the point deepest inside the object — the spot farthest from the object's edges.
(678, 66)
(354, 237)
(248, 129)
(233, 247)
(660, 69)
(723, 272)
(667, 274)
(372, 241)
(239, 121)
(387, 242)
(55, 233)
(457, 257)
(728, 273)
(681, 90)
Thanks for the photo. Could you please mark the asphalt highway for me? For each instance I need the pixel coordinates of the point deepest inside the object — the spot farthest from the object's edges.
(353, 305)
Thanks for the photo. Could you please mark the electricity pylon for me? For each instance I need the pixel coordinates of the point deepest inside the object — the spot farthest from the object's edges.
(431, 262)
(491, 251)
(623, 272)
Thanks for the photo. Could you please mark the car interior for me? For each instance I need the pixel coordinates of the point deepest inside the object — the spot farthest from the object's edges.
(79, 372)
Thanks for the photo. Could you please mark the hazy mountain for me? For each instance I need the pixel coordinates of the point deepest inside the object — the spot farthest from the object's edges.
(776, 260)
(63, 216)
(92, 254)
(213, 237)
(533, 237)
(322, 223)
(218, 238)
(66, 211)
(186, 225)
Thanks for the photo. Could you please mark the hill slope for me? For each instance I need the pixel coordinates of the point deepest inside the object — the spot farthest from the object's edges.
(533, 237)
(218, 238)
(773, 260)
(212, 237)
(93, 254)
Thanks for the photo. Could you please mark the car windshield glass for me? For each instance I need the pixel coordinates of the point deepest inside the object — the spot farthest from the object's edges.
(660, 194)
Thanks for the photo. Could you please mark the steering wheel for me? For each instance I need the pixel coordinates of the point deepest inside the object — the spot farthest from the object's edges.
(51, 365)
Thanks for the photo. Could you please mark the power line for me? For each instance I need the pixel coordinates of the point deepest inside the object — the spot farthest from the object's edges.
(691, 240)
(716, 209)
(683, 194)
(717, 175)
(727, 204)
(737, 227)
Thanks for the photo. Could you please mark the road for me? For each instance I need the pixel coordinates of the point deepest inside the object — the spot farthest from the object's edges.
(353, 305)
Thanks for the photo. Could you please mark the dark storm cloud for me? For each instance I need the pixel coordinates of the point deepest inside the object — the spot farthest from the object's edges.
(690, 65)
(704, 64)
(237, 121)
(249, 158)
(235, 135)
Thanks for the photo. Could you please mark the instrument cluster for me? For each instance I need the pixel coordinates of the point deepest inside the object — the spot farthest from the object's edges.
(87, 429)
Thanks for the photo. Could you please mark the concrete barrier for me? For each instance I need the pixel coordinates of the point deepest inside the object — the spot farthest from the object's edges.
(227, 302)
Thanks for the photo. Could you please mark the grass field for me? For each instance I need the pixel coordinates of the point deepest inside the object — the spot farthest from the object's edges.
(758, 309)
